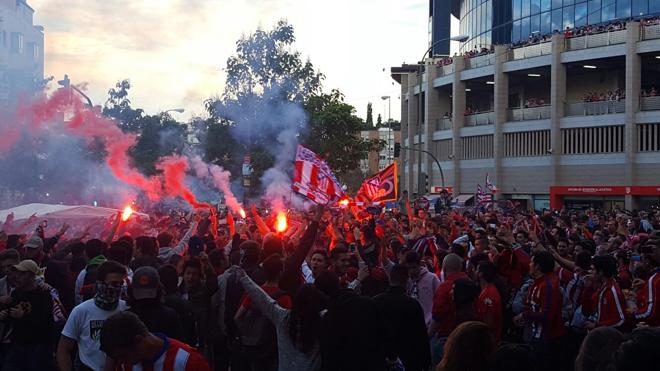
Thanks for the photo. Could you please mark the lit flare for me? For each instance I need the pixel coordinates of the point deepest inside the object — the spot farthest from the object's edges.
(242, 212)
(128, 211)
(281, 223)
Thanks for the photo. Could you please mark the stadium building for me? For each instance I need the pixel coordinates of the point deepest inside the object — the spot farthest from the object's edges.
(558, 101)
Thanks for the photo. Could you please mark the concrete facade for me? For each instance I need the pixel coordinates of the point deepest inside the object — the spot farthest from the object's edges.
(21, 51)
(541, 152)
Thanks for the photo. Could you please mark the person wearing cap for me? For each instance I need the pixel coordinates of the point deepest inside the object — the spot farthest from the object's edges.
(145, 299)
(29, 312)
(34, 248)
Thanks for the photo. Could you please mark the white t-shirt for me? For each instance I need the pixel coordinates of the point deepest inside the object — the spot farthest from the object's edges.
(84, 326)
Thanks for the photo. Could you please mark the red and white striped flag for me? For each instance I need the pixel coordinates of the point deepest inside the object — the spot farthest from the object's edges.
(314, 179)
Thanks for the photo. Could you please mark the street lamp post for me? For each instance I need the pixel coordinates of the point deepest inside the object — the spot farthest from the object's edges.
(442, 175)
(389, 127)
(459, 38)
(178, 110)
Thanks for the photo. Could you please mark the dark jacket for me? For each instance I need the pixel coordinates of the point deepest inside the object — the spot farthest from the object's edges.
(354, 336)
(406, 327)
(184, 310)
(158, 318)
(200, 298)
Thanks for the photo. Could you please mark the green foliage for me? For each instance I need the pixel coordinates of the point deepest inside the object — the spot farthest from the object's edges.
(334, 133)
(264, 60)
(379, 122)
(118, 106)
(160, 136)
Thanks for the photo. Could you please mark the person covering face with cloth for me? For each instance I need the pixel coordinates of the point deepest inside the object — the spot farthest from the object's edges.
(86, 320)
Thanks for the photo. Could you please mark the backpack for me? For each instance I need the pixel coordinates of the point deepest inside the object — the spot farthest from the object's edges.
(256, 332)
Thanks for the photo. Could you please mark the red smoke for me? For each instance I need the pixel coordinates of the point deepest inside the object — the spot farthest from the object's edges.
(90, 125)
(174, 173)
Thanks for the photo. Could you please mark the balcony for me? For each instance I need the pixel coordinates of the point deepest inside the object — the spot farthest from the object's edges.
(596, 40)
(480, 61)
(650, 103)
(651, 32)
(443, 124)
(530, 113)
(445, 70)
(481, 118)
(595, 108)
(531, 51)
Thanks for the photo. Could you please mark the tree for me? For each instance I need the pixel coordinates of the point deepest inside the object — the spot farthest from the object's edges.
(379, 123)
(118, 106)
(265, 77)
(335, 129)
(264, 61)
(370, 115)
(160, 136)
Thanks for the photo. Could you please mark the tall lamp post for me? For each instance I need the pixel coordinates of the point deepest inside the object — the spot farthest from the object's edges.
(389, 127)
(459, 38)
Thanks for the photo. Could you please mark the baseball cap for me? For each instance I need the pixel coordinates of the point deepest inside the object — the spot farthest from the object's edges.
(28, 265)
(145, 283)
(34, 242)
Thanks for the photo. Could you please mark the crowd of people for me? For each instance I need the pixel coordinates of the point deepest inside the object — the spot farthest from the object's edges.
(534, 102)
(611, 96)
(340, 289)
(652, 92)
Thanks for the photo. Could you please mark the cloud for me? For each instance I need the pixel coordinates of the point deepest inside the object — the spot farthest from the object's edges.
(173, 50)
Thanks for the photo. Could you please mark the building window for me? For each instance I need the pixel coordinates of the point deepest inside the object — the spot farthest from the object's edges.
(476, 147)
(17, 42)
(527, 143)
(648, 138)
(601, 139)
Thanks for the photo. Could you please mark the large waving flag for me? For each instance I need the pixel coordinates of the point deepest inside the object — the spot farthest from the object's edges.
(314, 179)
(381, 187)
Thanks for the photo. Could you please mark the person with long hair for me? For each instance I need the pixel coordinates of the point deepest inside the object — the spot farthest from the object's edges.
(468, 348)
(298, 329)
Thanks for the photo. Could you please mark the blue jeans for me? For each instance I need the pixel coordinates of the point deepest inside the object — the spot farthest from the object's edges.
(29, 358)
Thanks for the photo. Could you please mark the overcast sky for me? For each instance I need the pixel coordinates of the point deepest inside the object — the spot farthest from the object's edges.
(173, 50)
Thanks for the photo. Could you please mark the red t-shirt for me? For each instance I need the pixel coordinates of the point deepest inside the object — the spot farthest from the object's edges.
(284, 300)
(489, 305)
(444, 309)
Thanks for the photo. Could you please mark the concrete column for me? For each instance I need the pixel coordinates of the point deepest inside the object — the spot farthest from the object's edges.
(413, 116)
(558, 102)
(403, 155)
(458, 119)
(501, 103)
(433, 115)
(633, 88)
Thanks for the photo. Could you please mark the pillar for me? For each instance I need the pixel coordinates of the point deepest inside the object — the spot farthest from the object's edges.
(458, 120)
(633, 88)
(501, 103)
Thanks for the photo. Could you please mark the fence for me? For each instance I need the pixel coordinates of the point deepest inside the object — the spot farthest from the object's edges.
(650, 103)
(482, 118)
(530, 51)
(531, 113)
(651, 32)
(480, 61)
(445, 70)
(442, 124)
(596, 40)
(595, 108)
